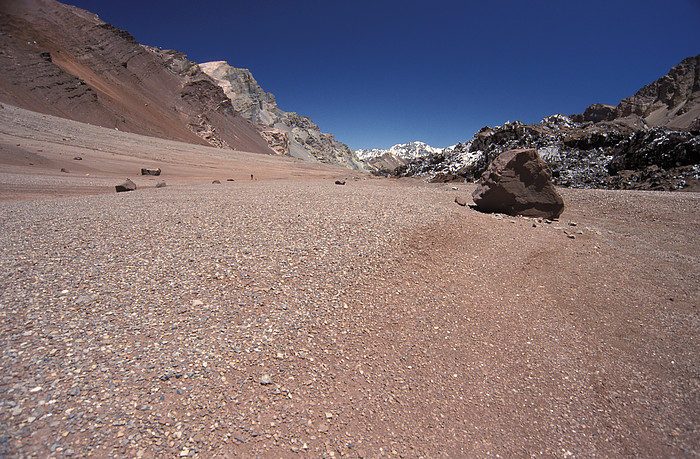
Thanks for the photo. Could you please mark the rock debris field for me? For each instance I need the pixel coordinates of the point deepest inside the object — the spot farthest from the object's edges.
(373, 319)
(290, 316)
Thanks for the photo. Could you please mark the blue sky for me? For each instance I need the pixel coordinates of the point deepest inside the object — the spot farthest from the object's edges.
(377, 73)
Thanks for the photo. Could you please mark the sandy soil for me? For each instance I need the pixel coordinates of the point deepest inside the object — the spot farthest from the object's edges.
(35, 147)
(289, 315)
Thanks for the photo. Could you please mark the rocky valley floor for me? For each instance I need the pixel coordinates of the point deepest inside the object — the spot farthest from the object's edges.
(291, 316)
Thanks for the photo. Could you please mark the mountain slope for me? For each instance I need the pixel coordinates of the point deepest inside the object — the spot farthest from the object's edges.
(672, 101)
(304, 139)
(64, 61)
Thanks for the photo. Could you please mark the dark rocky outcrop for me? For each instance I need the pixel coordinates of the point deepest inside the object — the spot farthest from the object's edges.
(660, 147)
(518, 182)
(652, 137)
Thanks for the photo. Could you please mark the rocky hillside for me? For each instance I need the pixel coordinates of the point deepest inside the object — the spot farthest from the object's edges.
(287, 132)
(64, 61)
(672, 101)
(648, 141)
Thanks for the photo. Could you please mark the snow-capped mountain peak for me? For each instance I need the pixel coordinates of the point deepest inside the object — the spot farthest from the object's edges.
(407, 151)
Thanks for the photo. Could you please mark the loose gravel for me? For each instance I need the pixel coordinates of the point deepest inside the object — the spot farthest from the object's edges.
(374, 319)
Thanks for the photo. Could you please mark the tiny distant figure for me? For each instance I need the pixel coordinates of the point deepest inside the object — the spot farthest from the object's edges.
(251, 176)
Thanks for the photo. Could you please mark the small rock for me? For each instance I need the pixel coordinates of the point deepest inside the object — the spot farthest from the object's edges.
(74, 392)
(340, 182)
(265, 380)
(77, 158)
(160, 184)
(147, 171)
(63, 169)
(216, 182)
(230, 180)
(461, 201)
(83, 299)
(128, 185)
(16, 411)
(197, 302)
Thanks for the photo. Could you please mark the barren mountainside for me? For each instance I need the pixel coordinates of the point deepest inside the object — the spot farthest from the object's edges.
(672, 101)
(302, 138)
(64, 61)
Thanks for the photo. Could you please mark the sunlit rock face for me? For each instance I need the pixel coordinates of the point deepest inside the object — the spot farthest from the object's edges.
(304, 139)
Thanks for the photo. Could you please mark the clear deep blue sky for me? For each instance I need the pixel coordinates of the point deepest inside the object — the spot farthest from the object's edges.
(376, 73)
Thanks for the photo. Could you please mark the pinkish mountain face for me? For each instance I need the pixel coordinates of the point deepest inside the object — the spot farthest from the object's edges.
(64, 61)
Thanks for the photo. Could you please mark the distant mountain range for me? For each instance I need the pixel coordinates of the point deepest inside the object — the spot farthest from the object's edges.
(61, 60)
(65, 61)
(648, 141)
(410, 150)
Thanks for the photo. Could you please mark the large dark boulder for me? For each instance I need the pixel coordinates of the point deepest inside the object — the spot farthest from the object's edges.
(518, 182)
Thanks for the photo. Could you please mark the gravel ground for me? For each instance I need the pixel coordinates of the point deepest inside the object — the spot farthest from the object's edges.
(373, 319)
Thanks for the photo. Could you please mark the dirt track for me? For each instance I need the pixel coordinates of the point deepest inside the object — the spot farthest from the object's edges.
(389, 320)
